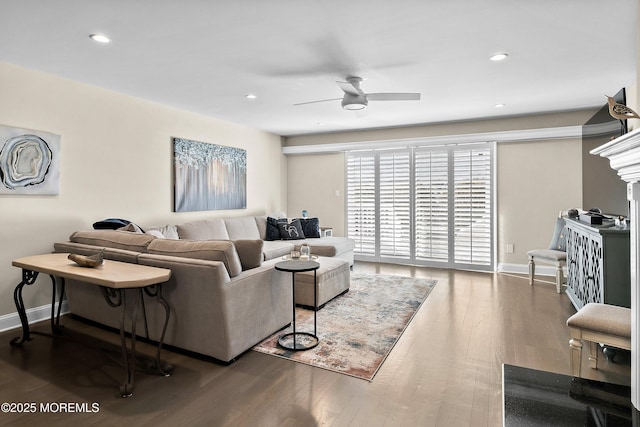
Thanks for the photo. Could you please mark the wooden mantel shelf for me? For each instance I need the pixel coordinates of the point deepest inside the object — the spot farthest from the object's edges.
(624, 155)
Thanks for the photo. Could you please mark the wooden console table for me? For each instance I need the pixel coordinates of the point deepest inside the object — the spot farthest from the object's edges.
(114, 278)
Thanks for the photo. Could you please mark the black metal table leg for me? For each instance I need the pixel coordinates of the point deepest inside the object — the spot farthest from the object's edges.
(28, 278)
(315, 304)
(166, 369)
(129, 357)
(56, 329)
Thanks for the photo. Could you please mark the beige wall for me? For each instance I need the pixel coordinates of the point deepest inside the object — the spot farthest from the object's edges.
(313, 185)
(535, 179)
(116, 161)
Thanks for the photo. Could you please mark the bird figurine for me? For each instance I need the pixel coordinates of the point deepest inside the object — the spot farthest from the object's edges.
(620, 111)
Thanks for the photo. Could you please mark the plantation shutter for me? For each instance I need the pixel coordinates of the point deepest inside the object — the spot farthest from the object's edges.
(472, 206)
(432, 205)
(361, 202)
(395, 204)
(426, 206)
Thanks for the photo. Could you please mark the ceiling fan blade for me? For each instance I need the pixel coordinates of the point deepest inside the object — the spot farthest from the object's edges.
(322, 100)
(349, 88)
(393, 97)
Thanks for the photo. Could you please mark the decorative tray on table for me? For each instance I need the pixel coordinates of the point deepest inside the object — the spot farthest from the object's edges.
(297, 257)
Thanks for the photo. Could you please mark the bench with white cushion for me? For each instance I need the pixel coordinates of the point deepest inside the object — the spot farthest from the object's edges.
(598, 323)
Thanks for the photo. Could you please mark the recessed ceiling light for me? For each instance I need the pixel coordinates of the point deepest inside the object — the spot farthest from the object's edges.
(250, 96)
(500, 105)
(100, 38)
(499, 57)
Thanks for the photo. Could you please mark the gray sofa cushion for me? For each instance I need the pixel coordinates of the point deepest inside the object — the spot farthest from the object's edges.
(242, 228)
(204, 229)
(261, 222)
(212, 250)
(118, 239)
(250, 253)
(276, 248)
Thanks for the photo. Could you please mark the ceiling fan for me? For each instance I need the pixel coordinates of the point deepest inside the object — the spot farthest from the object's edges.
(356, 99)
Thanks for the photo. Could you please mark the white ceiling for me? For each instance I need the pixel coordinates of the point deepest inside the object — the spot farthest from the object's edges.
(204, 56)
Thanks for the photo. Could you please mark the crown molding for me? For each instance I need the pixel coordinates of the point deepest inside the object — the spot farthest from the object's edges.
(469, 138)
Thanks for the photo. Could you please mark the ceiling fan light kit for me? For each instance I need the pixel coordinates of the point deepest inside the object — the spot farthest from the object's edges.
(353, 102)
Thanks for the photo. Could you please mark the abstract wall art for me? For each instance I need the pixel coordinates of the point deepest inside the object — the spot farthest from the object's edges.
(29, 162)
(208, 176)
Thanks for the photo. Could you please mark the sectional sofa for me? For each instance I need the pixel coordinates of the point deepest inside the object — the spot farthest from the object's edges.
(224, 293)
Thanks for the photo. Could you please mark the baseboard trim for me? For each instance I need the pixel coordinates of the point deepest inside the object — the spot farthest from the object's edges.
(36, 314)
(541, 270)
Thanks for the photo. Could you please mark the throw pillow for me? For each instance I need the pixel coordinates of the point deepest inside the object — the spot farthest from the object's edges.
(167, 231)
(133, 228)
(273, 231)
(291, 231)
(110, 224)
(559, 239)
(250, 253)
(310, 227)
(156, 234)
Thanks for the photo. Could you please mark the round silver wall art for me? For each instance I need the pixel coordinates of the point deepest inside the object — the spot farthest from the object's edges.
(24, 161)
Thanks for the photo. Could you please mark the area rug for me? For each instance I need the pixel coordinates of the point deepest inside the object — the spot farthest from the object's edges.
(359, 329)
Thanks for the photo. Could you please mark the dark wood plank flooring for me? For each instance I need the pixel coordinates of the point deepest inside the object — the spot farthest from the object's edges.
(444, 371)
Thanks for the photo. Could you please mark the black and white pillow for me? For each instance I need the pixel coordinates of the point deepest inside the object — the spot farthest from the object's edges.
(291, 231)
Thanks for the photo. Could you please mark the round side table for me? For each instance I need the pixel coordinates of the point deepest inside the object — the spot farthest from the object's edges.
(311, 339)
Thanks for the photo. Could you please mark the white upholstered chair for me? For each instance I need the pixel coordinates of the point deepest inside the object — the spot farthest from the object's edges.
(556, 255)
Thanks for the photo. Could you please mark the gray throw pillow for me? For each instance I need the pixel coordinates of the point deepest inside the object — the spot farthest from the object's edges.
(559, 239)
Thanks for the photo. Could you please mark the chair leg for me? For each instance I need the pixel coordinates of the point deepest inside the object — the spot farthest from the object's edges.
(559, 278)
(532, 270)
(576, 356)
(593, 354)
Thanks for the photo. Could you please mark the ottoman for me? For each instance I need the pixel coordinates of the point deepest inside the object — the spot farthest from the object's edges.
(332, 279)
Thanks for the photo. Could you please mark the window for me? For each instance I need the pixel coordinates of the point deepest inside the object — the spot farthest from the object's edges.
(423, 205)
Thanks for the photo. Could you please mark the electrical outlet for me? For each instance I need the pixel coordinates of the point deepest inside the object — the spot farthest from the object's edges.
(509, 248)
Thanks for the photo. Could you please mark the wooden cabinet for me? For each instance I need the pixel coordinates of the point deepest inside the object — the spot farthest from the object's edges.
(598, 264)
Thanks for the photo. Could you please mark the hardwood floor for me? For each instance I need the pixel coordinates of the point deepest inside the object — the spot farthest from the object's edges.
(445, 370)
